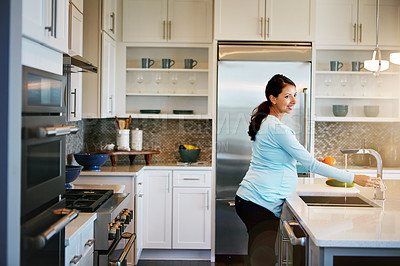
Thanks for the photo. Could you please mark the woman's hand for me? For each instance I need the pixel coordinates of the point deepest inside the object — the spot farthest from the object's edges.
(366, 180)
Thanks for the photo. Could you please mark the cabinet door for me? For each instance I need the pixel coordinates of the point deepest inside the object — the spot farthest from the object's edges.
(157, 202)
(144, 21)
(108, 76)
(75, 98)
(76, 31)
(139, 216)
(294, 25)
(191, 218)
(110, 17)
(239, 19)
(189, 21)
(336, 22)
(367, 22)
(46, 21)
(389, 23)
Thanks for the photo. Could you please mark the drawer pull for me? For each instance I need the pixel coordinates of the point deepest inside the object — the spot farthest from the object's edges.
(191, 178)
(75, 259)
(89, 242)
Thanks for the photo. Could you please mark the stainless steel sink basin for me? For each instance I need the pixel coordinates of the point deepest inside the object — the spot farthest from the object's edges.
(338, 201)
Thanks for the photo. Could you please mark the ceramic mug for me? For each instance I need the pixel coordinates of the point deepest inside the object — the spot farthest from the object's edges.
(190, 63)
(147, 62)
(167, 63)
(336, 65)
(357, 66)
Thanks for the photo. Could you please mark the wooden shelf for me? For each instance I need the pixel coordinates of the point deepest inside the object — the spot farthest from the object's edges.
(167, 70)
(167, 94)
(355, 119)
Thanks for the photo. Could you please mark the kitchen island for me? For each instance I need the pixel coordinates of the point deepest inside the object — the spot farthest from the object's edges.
(354, 235)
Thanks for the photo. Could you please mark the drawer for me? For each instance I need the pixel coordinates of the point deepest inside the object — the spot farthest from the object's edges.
(72, 250)
(191, 178)
(87, 238)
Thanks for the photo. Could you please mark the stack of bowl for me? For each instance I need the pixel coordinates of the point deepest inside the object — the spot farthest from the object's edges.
(340, 110)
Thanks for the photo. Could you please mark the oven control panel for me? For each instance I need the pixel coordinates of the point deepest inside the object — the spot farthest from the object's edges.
(118, 225)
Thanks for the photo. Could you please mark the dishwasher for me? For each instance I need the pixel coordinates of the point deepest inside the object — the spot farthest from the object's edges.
(292, 240)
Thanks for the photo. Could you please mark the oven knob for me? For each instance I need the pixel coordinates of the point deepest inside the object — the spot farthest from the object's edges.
(112, 233)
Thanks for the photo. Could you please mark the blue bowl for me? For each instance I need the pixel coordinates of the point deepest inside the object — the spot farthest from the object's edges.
(71, 174)
(91, 161)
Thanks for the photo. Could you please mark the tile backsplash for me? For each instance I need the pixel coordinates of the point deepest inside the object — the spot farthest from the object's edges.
(164, 135)
(330, 137)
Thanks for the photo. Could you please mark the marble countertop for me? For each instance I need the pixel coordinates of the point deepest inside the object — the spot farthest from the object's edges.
(362, 227)
(124, 170)
(115, 188)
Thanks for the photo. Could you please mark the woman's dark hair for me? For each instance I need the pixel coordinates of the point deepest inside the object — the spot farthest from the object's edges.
(274, 87)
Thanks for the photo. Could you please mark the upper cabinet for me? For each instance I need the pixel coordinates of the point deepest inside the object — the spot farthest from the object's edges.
(167, 21)
(271, 20)
(46, 22)
(109, 17)
(75, 45)
(353, 22)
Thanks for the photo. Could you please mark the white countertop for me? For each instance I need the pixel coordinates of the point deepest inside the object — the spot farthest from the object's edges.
(349, 226)
(79, 222)
(132, 170)
(115, 188)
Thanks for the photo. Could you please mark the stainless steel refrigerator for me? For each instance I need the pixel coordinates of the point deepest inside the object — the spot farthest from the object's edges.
(243, 72)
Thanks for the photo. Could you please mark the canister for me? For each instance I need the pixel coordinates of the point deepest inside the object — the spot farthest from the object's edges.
(136, 139)
(123, 140)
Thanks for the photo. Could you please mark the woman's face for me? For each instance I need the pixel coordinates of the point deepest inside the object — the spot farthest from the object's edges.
(286, 100)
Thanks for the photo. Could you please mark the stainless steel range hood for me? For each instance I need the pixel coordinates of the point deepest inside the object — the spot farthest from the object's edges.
(80, 62)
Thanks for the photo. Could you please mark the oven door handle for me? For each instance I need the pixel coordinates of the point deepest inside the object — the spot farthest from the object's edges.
(295, 241)
(127, 247)
(58, 131)
(39, 241)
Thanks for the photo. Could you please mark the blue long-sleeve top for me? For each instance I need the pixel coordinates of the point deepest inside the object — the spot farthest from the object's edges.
(272, 174)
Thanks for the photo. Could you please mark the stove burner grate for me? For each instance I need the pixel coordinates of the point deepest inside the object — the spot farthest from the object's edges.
(86, 200)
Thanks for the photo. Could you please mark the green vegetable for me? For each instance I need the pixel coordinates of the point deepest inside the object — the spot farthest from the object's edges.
(336, 183)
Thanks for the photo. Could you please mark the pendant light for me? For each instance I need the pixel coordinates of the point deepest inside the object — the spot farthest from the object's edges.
(376, 64)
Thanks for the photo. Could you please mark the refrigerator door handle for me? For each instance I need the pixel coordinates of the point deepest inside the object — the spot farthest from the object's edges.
(231, 203)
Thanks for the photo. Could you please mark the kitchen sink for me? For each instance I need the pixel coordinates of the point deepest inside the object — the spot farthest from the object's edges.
(338, 201)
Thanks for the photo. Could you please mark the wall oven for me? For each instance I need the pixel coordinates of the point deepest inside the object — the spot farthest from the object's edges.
(43, 213)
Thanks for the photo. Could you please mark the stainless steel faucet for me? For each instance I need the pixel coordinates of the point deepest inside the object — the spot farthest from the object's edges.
(379, 191)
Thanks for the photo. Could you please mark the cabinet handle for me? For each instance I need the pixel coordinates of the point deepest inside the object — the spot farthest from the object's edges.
(74, 112)
(53, 19)
(90, 242)
(267, 28)
(360, 33)
(191, 178)
(355, 32)
(208, 200)
(112, 22)
(295, 241)
(169, 30)
(75, 259)
(163, 30)
(262, 27)
(168, 183)
(139, 183)
(140, 195)
(111, 104)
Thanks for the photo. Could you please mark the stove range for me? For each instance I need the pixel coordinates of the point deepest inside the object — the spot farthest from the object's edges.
(86, 200)
(113, 218)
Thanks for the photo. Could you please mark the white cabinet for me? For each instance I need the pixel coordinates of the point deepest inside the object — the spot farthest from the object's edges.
(177, 214)
(108, 63)
(75, 46)
(167, 21)
(157, 213)
(169, 90)
(139, 192)
(109, 17)
(80, 241)
(75, 97)
(46, 22)
(272, 20)
(353, 22)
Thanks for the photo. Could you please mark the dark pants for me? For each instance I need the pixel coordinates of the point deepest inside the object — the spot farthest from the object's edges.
(262, 227)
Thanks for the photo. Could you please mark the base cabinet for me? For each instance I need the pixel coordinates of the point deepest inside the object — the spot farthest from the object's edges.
(177, 211)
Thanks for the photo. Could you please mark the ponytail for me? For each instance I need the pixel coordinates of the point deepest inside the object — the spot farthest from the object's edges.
(258, 115)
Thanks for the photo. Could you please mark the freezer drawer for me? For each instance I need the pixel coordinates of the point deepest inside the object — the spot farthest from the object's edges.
(231, 235)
